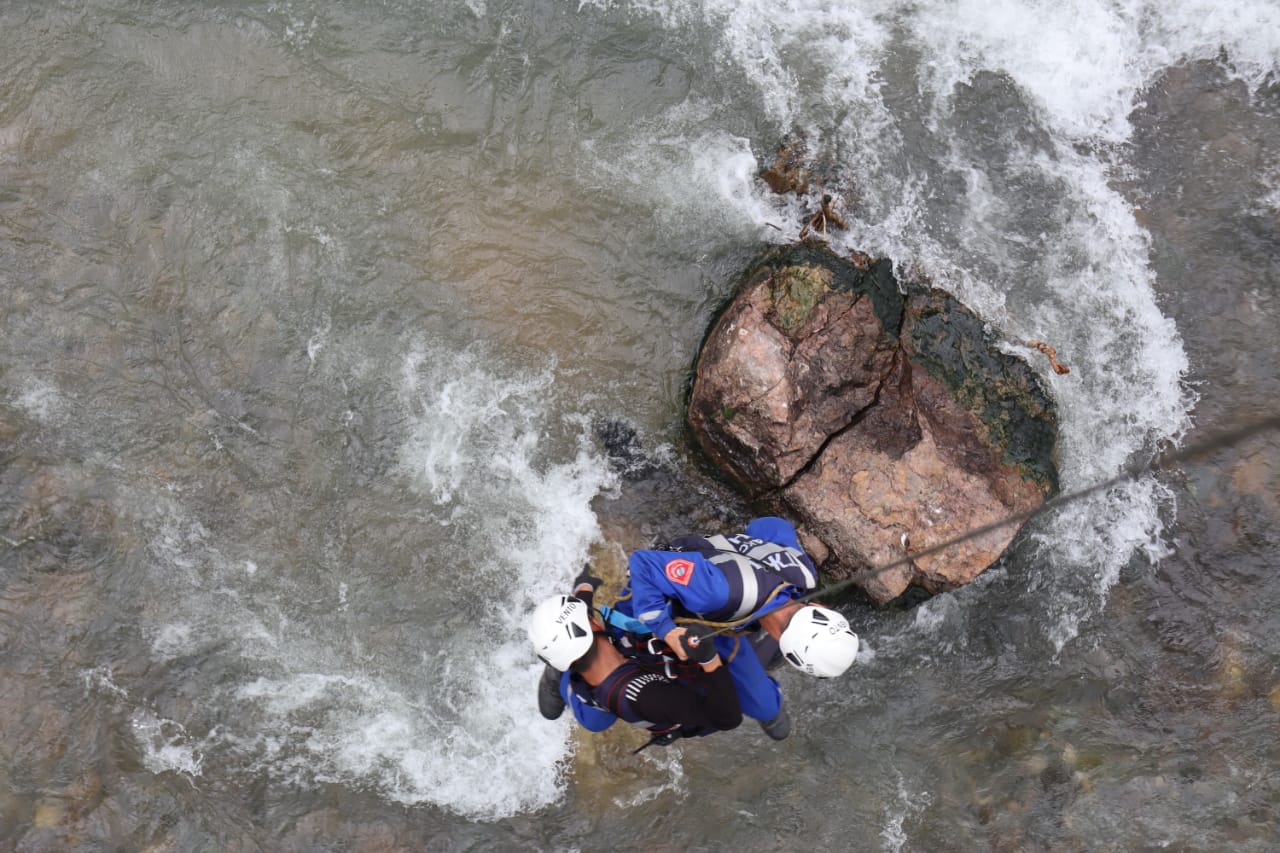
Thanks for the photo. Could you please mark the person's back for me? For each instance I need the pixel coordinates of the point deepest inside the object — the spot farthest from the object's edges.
(601, 683)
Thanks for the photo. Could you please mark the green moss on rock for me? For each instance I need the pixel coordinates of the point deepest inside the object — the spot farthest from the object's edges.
(877, 282)
(796, 290)
(946, 339)
(952, 344)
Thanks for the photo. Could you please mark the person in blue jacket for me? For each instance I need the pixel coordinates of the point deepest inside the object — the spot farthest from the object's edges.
(753, 577)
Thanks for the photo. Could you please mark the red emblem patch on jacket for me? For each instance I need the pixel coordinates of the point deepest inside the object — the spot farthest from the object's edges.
(680, 571)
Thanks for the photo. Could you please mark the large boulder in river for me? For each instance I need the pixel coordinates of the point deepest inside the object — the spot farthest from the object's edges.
(884, 419)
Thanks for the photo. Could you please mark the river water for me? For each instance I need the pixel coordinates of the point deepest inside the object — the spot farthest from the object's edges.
(311, 313)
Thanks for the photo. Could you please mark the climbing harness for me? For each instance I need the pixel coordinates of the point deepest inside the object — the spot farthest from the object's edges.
(641, 646)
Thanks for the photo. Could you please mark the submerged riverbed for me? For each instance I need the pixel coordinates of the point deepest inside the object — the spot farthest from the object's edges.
(311, 313)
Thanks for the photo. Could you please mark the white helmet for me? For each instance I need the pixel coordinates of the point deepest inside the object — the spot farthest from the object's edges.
(819, 641)
(560, 630)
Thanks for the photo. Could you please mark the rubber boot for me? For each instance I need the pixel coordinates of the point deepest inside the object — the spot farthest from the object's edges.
(780, 726)
(550, 702)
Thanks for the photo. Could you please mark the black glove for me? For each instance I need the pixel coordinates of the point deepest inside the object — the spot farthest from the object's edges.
(698, 644)
(585, 577)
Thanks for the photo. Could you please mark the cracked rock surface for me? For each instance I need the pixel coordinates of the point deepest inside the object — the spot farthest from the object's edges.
(883, 421)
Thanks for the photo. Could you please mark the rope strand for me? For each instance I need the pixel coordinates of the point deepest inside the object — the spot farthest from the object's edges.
(1160, 462)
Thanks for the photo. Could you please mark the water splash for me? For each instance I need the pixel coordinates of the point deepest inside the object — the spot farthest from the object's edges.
(909, 805)
(165, 745)
(1019, 218)
(442, 711)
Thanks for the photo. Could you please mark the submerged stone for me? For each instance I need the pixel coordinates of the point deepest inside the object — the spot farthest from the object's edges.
(884, 418)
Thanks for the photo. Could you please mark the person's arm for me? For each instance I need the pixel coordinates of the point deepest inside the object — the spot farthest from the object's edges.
(650, 589)
(671, 704)
(590, 717)
(660, 577)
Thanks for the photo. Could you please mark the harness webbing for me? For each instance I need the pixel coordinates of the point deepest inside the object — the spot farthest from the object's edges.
(736, 625)
(623, 622)
(658, 739)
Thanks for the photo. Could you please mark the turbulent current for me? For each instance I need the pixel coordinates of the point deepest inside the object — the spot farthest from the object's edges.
(310, 315)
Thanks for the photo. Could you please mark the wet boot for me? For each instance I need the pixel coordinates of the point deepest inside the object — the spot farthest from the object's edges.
(550, 702)
(780, 726)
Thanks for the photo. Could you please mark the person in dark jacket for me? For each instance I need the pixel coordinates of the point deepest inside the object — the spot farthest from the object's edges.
(603, 678)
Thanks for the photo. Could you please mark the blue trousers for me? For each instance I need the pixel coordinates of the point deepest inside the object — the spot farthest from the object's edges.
(776, 530)
(758, 692)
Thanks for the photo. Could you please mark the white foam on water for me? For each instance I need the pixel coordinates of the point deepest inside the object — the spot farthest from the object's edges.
(318, 340)
(1082, 62)
(694, 174)
(709, 180)
(1081, 282)
(908, 805)
(39, 399)
(165, 745)
(768, 42)
(462, 416)
(455, 724)
(1125, 391)
(197, 595)
(1270, 202)
(866, 653)
(1247, 30)
(477, 449)
(933, 614)
(476, 752)
(100, 678)
(665, 765)
(444, 713)
(1085, 63)
(172, 640)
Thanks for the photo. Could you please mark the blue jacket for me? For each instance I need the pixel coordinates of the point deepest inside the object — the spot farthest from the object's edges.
(719, 578)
